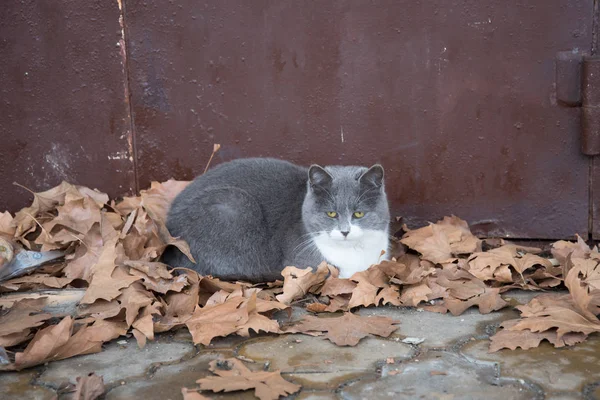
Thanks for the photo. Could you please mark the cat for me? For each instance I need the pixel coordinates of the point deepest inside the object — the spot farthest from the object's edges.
(248, 219)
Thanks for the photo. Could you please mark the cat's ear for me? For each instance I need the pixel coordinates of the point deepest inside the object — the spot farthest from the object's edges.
(373, 176)
(317, 176)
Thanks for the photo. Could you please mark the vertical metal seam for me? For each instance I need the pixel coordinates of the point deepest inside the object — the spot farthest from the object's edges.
(130, 106)
(594, 50)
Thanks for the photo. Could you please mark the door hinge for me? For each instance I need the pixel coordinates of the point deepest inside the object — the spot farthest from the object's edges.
(578, 85)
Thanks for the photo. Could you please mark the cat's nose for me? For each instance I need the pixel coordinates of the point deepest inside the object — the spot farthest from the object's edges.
(345, 233)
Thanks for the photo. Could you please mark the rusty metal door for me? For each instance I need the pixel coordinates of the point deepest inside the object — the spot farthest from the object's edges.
(455, 98)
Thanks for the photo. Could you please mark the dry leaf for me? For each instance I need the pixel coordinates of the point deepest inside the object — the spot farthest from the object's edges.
(442, 241)
(561, 249)
(363, 295)
(89, 387)
(298, 282)
(335, 286)
(191, 394)
(22, 316)
(103, 285)
(526, 339)
(316, 307)
(233, 375)
(347, 330)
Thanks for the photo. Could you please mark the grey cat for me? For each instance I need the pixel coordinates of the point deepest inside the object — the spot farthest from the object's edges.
(248, 219)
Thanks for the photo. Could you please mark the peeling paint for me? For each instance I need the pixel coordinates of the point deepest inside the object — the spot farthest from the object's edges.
(120, 155)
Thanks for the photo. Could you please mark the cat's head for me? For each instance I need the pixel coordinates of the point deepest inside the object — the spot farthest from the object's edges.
(344, 202)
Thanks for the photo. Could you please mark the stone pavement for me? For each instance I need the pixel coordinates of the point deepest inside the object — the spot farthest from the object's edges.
(451, 363)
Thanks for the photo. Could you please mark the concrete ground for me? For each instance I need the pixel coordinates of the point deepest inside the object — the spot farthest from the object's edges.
(452, 362)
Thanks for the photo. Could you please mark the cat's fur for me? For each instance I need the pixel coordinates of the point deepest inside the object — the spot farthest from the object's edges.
(248, 219)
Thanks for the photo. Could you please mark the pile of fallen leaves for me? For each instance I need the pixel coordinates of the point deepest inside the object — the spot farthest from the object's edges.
(111, 258)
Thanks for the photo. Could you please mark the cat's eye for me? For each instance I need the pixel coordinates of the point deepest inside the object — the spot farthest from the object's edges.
(359, 214)
(331, 214)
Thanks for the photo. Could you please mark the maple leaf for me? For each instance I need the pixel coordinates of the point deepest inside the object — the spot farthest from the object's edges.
(80, 264)
(103, 285)
(335, 286)
(363, 295)
(235, 315)
(233, 375)
(441, 241)
(561, 249)
(583, 282)
(42, 202)
(389, 295)
(338, 303)
(347, 330)
(78, 213)
(23, 315)
(494, 264)
(89, 387)
(180, 306)
(298, 282)
(526, 339)
(132, 299)
(412, 295)
(219, 320)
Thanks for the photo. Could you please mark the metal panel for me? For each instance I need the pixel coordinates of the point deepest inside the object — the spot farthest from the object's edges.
(64, 113)
(455, 98)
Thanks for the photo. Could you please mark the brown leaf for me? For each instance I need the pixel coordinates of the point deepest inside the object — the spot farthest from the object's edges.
(38, 279)
(88, 253)
(441, 241)
(24, 314)
(191, 394)
(493, 264)
(7, 228)
(180, 306)
(363, 295)
(338, 303)
(316, 307)
(159, 197)
(233, 375)
(347, 330)
(103, 285)
(89, 387)
(412, 295)
(583, 282)
(78, 214)
(526, 339)
(220, 320)
(132, 299)
(389, 295)
(42, 202)
(335, 286)
(561, 249)
(298, 282)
